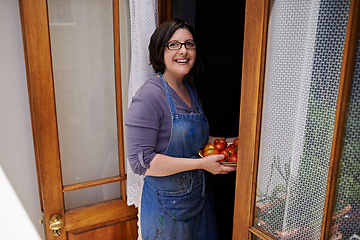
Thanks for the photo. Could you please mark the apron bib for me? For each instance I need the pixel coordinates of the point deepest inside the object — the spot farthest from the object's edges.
(179, 206)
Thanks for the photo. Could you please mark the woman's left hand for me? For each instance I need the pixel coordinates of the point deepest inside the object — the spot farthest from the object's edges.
(211, 164)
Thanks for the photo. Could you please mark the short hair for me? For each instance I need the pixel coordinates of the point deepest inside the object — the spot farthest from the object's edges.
(160, 37)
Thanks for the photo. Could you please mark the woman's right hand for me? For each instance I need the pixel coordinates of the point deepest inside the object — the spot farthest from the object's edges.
(211, 164)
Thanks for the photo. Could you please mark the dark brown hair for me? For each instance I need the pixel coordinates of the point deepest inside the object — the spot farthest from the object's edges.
(160, 37)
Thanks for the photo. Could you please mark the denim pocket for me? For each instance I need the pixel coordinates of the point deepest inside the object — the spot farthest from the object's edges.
(182, 205)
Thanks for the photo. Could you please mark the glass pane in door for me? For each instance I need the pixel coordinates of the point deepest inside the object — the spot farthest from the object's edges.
(82, 45)
(305, 52)
(92, 195)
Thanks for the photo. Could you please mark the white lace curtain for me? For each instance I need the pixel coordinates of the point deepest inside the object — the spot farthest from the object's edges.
(143, 20)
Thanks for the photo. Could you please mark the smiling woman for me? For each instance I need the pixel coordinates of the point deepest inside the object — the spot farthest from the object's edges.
(179, 61)
(166, 129)
(157, 49)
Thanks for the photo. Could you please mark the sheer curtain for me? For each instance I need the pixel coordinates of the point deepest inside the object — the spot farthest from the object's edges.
(305, 47)
(143, 20)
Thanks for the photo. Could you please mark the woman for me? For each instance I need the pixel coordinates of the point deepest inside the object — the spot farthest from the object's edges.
(166, 129)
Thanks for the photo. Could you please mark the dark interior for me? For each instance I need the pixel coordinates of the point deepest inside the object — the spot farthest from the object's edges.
(219, 28)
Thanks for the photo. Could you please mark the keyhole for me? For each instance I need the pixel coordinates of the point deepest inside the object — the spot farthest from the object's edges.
(57, 233)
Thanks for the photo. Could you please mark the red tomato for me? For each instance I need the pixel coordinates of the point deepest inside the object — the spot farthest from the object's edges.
(230, 150)
(226, 154)
(220, 140)
(210, 152)
(220, 146)
(236, 142)
(231, 146)
(208, 146)
(233, 158)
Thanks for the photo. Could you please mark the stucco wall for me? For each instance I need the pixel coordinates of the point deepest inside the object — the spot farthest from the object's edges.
(19, 197)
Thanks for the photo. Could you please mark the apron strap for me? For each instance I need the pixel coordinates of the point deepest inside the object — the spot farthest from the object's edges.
(203, 191)
(168, 96)
(170, 99)
(193, 97)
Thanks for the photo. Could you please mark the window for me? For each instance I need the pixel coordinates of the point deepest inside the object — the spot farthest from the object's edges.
(292, 116)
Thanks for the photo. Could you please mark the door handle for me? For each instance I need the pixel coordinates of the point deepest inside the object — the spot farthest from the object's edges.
(55, 224)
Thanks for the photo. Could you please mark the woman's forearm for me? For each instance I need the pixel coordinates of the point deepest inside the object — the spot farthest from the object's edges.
(163, 165)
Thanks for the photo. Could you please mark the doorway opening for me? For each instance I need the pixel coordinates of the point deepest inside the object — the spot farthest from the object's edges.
(219, 31)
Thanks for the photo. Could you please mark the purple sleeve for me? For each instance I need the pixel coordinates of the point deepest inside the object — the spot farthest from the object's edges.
(142, 122)
(140, 156)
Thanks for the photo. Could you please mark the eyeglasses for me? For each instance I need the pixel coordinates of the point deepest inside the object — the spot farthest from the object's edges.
(177, 45)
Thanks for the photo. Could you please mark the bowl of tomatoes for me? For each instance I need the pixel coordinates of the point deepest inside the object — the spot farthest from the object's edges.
(220, 146)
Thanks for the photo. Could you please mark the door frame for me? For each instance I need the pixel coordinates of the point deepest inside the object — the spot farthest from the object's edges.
(254, 54)
(38, 62)
(253, 71)
(164, 10)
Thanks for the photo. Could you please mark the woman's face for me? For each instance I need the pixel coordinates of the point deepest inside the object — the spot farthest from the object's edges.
(179, 62)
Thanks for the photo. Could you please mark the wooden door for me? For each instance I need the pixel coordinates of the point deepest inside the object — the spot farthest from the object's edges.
(88, 196)
(246, 224)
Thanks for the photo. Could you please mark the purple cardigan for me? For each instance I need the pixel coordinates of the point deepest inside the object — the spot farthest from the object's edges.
(148, 122)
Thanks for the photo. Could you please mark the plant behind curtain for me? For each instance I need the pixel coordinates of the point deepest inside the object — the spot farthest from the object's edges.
(305, 51)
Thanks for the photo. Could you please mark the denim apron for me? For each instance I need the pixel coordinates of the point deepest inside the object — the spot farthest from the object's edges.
(179, 206)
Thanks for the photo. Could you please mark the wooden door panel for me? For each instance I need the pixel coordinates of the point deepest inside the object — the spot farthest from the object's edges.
(98, 213)
(255, 32)
(113, 231)
(255, 37)
(105, 220)
(35, 32)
